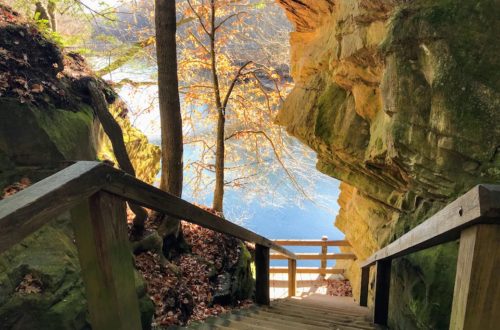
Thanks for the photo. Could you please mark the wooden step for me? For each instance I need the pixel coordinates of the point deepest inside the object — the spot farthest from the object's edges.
(293, 318)
(253, 320)
(309, 313)
(331, 318)
(330, 313)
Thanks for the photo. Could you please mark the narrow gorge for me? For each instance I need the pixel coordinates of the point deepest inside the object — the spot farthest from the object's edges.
(400, 100)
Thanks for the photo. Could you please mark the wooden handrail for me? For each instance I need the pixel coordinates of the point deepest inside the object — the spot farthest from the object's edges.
(481, 204)
(311, 242)
(316, 256)
(95, 195)
(135, 190)
(31, 208)
(307, 270)
(474, 218)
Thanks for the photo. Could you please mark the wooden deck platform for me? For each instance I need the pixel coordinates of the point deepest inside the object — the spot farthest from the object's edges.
(313, 312)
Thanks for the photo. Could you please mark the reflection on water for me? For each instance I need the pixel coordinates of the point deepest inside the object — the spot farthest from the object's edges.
(284, 213)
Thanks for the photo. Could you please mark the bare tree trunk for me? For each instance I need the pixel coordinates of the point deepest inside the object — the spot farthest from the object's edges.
(41, 12)
(218, 201)
(51, 10)
(170, 112)
(114, 132)
(219, 164)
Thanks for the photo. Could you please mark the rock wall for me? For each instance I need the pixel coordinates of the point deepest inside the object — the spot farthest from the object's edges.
(46, 121)
(401, 101)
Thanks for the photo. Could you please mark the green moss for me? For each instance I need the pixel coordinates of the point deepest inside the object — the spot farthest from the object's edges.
(423, 288)
(61, 303)
(443, 84)
(69, 131)
(146, 305)
(144, 155)
(243, 282)
(35, 136)
(330, 104)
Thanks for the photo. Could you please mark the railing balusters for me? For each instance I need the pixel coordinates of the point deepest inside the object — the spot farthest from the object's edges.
(382, 286)
(324, 251)
(476, 298)
(262, 275)
(95, 193)
(365, 281)
(101, 233)
(292, 277)
(106, 262)
(323, 256)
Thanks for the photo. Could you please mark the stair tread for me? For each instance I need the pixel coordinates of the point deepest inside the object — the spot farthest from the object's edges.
(306, 313)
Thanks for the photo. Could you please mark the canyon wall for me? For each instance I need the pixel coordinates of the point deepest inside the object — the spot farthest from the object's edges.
(401, 101)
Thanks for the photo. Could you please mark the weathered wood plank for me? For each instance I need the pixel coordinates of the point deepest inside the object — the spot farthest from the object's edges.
(28, 210)
(476, 298)
(106, 262)
(307, 270)
(324, 252)
(382, 286)
(480, 205)
(305, 242)
(292, 277)
(262, 275)
(365, 281)
(31, 208)
(316, 256)
(137, 191)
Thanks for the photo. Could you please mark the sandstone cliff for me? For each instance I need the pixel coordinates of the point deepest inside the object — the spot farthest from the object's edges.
(401, 102)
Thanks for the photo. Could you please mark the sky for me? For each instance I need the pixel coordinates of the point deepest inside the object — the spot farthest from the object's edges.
(304, 220)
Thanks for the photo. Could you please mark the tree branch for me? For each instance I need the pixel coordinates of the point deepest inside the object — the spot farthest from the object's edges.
(278, 158)
(233, 83)
(226, 19)
(200, 19)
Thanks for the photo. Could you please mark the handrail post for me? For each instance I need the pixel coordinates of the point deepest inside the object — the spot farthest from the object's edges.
(292, 277)
(476, 302)
(382, 285)
(106, 263)
(324, 251)
(365, 280)
(262, 275)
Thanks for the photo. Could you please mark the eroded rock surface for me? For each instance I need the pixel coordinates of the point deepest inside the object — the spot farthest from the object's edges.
(401, 102)
(46, 122)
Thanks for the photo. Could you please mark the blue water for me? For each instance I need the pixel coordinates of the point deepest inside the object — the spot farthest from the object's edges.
(290, 216)
(296, 218)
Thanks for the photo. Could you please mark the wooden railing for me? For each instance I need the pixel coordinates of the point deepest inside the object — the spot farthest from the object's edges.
(474, 218)
(95, 195)
(323, 256)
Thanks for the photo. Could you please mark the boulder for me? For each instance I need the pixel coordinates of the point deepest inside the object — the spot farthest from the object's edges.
(400, 100)
(46, 122)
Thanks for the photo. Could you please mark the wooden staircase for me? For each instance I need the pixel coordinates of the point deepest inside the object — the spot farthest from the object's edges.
(95, 195)
(306, 313)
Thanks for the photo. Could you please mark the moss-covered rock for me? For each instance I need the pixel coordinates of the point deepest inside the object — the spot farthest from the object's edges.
(243, 283)
(401, 101)
(50, 256)
(45, 124)
(32, 136)
(237, 283)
